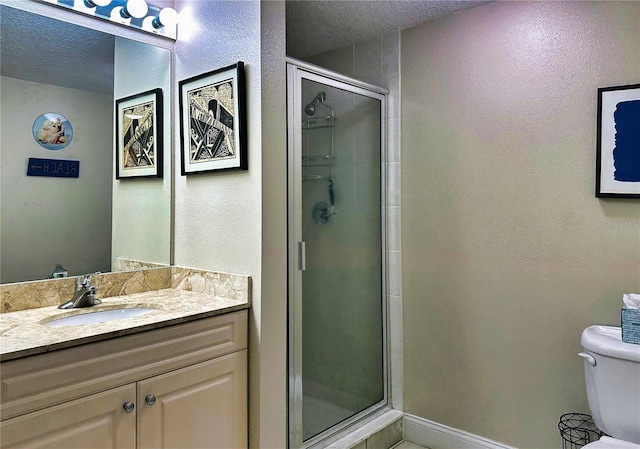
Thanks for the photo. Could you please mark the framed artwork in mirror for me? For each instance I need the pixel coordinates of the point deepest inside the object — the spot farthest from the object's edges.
(618, 142)
(52, 131)
(139, 135)
(213, 124)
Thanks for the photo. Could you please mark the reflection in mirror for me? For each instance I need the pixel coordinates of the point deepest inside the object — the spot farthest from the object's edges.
(142, 206)
(93, 222)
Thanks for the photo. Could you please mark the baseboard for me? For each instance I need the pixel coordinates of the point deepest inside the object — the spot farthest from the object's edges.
(438, 436)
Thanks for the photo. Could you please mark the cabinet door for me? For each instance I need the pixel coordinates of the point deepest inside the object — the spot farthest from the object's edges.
(97, 422)
(201, 406)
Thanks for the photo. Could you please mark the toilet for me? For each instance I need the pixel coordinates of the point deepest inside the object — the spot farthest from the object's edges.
(612, 375)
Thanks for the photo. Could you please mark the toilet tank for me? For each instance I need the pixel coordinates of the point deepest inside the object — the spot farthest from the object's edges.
(612, 375)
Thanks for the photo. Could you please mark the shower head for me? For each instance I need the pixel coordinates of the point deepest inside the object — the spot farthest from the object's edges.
(310, 109)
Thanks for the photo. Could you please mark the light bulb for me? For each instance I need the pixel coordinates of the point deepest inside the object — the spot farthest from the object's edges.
(117, 16)
(94, 3)
(168, 17)
(134, 8)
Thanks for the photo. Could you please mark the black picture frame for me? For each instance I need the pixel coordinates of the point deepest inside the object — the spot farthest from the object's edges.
(618, 147)
(213, 121)
(139, 131)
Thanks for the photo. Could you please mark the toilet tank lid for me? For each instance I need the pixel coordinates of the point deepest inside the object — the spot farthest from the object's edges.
(611, 443)
(607, 340)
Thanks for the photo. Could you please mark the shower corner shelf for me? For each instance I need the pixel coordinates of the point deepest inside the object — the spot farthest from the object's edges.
(319, 122)
(318, 161)
(307, 178)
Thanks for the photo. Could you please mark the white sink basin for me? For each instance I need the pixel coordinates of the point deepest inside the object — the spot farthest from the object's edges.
(99, 316)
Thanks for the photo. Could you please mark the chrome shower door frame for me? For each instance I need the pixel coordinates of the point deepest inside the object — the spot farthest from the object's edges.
(296, 72)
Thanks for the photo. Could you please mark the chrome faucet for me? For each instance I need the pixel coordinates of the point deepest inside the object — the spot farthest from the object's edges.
(84, 295)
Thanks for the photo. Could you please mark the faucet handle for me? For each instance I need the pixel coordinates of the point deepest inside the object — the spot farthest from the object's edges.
(92, 295)
(82, 281)
(85, 279)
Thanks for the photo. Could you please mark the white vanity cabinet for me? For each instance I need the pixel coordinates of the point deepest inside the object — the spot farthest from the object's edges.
(96, 421)
(183, 386)
(201, 406)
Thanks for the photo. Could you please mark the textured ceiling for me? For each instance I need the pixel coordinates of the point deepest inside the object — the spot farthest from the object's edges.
(44, 50)
(316, 26)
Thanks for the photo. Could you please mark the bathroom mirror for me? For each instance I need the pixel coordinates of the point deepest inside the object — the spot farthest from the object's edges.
(92, 222)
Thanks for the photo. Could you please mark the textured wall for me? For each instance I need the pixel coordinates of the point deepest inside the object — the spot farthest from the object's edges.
(268, 369)
(507, 255)
(55, 220)
(142, 207)
(218, 216)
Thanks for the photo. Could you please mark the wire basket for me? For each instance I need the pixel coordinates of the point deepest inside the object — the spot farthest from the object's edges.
(577, 430)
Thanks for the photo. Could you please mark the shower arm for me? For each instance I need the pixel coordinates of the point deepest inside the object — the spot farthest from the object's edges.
(310, 109)
(328, 107)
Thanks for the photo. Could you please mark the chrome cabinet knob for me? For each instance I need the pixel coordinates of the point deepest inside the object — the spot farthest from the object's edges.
(150, 399)
(128, 406)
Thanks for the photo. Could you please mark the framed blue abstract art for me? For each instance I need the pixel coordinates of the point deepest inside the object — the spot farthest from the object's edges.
(618, 156)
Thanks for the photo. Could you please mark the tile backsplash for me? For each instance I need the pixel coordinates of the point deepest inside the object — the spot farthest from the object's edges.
(50, 292)
(120, 264)
(213, 283)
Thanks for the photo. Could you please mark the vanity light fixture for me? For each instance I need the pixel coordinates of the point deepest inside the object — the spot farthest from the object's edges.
(131, 13)
(134, 8)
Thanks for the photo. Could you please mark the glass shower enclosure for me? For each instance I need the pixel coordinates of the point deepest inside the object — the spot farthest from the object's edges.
(337, 281)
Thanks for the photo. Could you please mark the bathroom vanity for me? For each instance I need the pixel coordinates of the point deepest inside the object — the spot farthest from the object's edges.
(176, 377)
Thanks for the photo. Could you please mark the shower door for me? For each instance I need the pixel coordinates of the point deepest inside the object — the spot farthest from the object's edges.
(337, 307)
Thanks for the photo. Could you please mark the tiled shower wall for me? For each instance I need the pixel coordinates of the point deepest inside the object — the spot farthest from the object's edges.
(377, 61)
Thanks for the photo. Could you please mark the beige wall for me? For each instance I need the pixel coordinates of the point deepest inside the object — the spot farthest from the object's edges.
(507, 255)
(219, 216)
(268, 375)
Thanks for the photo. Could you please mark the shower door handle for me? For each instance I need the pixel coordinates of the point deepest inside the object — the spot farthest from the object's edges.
(302, 256)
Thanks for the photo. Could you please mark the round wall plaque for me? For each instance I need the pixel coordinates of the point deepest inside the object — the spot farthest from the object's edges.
(52, 131)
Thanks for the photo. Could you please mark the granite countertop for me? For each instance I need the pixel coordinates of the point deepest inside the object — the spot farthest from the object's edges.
(22, 334)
